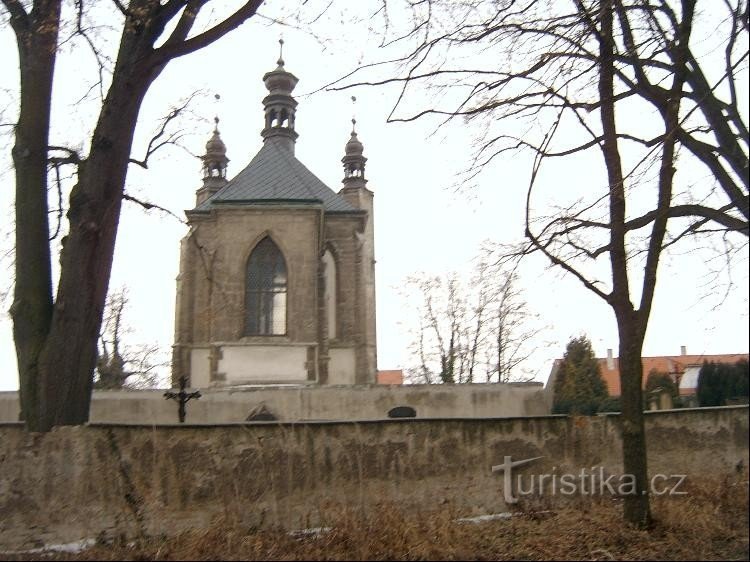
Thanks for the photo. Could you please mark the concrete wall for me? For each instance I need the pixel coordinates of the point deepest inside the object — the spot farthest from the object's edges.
(298, 403)
(76, 482)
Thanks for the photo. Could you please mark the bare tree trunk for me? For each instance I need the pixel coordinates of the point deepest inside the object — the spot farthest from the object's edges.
(636, 505)
(56, 344)
(32, 304)
(86, 261)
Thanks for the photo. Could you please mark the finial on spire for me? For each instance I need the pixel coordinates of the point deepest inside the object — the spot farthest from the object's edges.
(280, 62)
(354, 118)
(217, 97)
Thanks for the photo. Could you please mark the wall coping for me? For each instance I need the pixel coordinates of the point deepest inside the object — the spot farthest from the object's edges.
(384, 420)
(317, 388)
(680, 410)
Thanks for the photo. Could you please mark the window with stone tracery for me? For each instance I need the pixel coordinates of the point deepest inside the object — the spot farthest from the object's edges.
(265, 291)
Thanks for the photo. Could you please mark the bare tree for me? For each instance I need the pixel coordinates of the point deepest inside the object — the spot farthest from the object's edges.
(121, 364)
(467, 327)
(644, 97)
(442, 317)
(516, 332)
(56, 336)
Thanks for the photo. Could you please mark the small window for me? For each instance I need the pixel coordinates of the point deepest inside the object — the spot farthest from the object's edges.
(265, 291)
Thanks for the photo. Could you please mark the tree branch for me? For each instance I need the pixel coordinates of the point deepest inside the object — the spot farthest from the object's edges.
(148, 206)
(692, 210)
(154, 144)
(19, 19)
(178, 49)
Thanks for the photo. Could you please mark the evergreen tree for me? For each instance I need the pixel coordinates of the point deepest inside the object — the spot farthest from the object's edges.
(658, 379)
(661, 380)
(740, 380)
(579, 387)
(718, 382)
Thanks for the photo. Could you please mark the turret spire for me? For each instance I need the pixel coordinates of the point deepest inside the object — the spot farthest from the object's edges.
(279, 105)
(214, 164)
(354, 160)
(215, 159)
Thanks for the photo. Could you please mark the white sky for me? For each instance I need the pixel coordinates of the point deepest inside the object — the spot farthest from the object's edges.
(421, 221)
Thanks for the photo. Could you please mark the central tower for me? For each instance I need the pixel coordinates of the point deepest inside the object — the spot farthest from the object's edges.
(279, 105)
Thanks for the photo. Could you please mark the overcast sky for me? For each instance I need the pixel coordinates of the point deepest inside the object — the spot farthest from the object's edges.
(422, 222)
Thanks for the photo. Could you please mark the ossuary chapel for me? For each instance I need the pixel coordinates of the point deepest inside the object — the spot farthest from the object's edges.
(277, 277)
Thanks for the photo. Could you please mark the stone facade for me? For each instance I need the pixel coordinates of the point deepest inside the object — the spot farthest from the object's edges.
(327, 301)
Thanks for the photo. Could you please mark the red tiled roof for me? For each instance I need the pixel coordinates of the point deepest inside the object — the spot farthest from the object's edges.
(394, 376)
(670, 364)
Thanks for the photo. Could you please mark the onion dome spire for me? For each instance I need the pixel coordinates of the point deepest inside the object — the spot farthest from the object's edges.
(214, 164)
(215, 159)
(354, 160)
(279, 106)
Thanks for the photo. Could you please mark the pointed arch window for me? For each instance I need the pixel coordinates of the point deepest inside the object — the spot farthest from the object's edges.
(265, 291)
(330, 292)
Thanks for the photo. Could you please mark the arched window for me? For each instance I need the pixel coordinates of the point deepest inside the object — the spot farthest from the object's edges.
(330, 292)
(265, 291)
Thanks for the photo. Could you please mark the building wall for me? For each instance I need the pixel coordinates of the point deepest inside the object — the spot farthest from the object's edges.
(78, 482)
(300, 403)
(364, 268)
(210, 303)
(227, 242)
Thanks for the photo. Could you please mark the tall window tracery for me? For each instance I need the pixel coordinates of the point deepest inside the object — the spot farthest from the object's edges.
(265, 291)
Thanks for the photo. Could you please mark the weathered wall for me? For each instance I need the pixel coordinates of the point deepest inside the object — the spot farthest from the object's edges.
(367, 402)
(76, 482)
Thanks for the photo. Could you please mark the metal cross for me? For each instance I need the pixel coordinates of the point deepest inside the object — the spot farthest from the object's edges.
(182, 398)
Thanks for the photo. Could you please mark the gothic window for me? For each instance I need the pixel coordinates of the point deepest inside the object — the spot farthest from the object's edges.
(265, 291)
(330, 292)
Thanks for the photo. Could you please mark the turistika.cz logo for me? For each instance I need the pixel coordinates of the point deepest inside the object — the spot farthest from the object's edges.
(587, 482)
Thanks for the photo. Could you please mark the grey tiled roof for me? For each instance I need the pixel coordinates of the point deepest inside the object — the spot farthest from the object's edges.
(275, 176)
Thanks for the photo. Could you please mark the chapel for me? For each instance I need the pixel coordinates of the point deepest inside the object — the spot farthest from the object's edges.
(277, 271)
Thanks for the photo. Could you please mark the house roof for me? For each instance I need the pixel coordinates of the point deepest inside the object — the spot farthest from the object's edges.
(393, 376)
(275, 177)
(670, 364)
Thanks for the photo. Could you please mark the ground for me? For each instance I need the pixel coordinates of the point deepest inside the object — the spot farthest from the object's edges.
(710, 522)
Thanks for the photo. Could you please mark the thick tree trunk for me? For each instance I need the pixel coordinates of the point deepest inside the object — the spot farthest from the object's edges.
(56, 344)
(636, 509)
(69, 356)
(32, 303)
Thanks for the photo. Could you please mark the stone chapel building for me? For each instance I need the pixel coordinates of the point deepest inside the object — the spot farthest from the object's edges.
(277, 275)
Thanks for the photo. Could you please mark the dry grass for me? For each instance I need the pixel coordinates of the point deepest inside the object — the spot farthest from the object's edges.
(710, 523)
